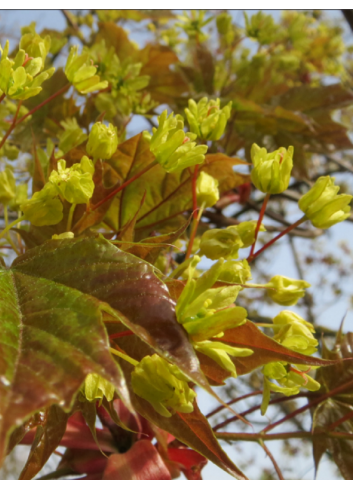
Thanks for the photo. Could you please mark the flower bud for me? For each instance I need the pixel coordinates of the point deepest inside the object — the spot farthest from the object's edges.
(294, 333)
(7, 186)
(96, 387)
(224, 22)
(81, 73)
(173, 148)
(236, 272)
(219, 352)
(206, 119)
(323, 206)
(221, 243)
(163, 385)
(287, 290)
(74, 184)
(290, 381)
(44, 208)
(206, 190)
(205, 311)
(102, 141)
(271, 172)
(246, 232)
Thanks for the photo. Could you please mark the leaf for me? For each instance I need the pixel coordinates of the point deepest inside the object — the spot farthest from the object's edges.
(325, 414)
(141, 462)
(192, 429)
(51, 337)
(129, 285)
(149, 248)
(127, 233)
(265, 349)
(189, 461)
(165, 84)
(117, 37)
(41, 123)
(168, 195)
(47, 439)
(308, 99)
(340, 372)
(220, 166)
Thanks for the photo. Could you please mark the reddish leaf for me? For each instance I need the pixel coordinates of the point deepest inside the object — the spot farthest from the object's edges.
(220, 166)
(168, 195)
(47, 438)
(265, 350)
(191, 429)
(117, 37)
(165, 84)
(141, 462)
(129, 285)
(190, 462)
(340, 372)
(51, 337)
(327, 413)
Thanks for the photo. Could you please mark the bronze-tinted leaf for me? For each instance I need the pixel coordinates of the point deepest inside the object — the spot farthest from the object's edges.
(220, 166)
(51, 337)
(265, 349)
(141, 462)
(192, 429)
(128, 284)
(327, 413)
(47, 439)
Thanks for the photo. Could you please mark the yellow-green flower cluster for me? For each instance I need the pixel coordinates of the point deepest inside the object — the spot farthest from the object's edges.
(225, 243)
(323, 206)
(173, 148)
(73, 184)
(81, 73)
(163, 385)
(103, 141)
(286, 291)
(272, 171)
(206, 190)
(206, 119)
(22, 77)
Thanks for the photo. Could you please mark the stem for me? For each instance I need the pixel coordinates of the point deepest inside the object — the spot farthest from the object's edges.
(69, 219)
(124, 357)
(120, 335)
(8, 237)
(233, 401)
(309, 405)
(259, 221)
(195, 225)
(13, 125)
(2, 97)
(49, 99)
(281, 436)
(125, 184)
(273, 460)
(285, 231)
(12, 224)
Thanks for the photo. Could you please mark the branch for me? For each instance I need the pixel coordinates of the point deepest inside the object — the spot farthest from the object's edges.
(281, 436)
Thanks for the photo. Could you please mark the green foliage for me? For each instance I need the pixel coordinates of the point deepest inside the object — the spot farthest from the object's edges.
(106, 311)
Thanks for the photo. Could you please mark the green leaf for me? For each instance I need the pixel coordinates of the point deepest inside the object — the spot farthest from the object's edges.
(51, 337)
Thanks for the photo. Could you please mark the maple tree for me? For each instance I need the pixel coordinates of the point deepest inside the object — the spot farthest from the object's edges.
(110, 321)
